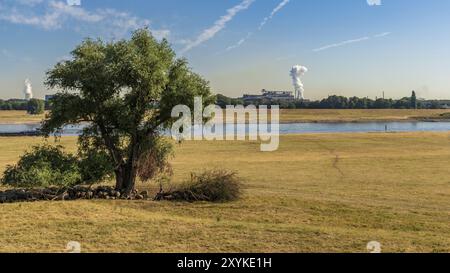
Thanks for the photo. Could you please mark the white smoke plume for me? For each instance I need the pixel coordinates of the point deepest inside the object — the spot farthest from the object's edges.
(297, 72)
(28, 90)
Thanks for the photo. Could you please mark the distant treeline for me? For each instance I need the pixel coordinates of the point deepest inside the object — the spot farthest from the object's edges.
(33, 106)
(13, 104)
(340, 102)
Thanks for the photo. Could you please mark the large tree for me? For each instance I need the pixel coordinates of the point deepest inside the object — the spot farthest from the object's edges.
(125, 92)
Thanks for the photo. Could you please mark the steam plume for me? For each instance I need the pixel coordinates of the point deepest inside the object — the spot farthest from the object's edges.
(28, 90)
(297, 72)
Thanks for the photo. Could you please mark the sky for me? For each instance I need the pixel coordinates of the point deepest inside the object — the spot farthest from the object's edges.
(350, 47)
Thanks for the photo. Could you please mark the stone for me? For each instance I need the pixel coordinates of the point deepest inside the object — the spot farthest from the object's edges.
(90, 194)
(63, 196)
(139, 197)
(144, 193)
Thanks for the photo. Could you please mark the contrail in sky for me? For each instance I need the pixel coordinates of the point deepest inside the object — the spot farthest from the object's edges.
(347, 42)
(219, 25)
(263, 23)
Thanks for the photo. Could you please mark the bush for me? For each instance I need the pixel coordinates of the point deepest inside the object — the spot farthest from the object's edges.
(42, 167)
(212, 186)
(445, 116)
(95, 166)
(35, 107)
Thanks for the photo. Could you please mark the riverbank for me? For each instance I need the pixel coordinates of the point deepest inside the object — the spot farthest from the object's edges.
(19, 117)
(362, 115)
(317, 193)
(299, 116)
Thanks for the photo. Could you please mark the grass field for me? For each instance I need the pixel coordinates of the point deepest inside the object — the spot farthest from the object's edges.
(291, 116)
(14, 117)
(355, 115)
(318, 193)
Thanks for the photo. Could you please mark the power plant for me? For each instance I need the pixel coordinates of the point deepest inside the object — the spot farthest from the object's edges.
(296, 73)
(269, 96)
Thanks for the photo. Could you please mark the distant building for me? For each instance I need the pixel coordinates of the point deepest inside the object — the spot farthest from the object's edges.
(269, 95)
(48, 98)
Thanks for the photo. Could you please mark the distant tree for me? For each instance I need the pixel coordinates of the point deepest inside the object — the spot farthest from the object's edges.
(435, 105)
(334, 102)
(413, 100)
(35, 107)
(383, 104)
(125, 90)
(223, 101)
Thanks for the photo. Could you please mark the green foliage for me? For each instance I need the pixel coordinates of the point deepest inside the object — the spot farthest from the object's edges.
(48, 165)
(340, 102)
(35, 107)
(223, 101)
(43, 166)
(212, 186)
(95, 167)
(126, 91)
(13, 104)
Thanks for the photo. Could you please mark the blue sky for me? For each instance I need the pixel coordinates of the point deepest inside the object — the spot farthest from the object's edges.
(241, 46)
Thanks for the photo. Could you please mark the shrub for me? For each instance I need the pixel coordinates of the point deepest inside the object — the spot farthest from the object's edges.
(42, 167)
(445, 116)
(95, 166)
(35, 107)
(212, 186)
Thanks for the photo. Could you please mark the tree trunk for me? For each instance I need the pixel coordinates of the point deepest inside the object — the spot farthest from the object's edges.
(126, 174)
(119, 178)
(126, 178)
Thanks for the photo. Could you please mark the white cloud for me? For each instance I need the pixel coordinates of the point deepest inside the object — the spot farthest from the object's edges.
(352, 41)
(59, 14)
(374, 2)
(219, 25)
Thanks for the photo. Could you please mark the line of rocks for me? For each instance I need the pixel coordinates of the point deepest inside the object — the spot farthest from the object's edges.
(76, 193)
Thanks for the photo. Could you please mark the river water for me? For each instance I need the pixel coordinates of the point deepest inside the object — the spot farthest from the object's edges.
(292, 128)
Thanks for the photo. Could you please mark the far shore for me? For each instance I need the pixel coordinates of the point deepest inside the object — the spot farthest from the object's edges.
(288, 116)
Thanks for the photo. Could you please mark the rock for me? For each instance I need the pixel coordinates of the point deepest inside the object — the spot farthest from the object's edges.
(78, 192)
(144, 193)
(63, 196)
(90, 194)
(139, 197)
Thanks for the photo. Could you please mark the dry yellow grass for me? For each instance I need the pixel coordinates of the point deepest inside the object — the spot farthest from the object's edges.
(318, 193)
(15, 117)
